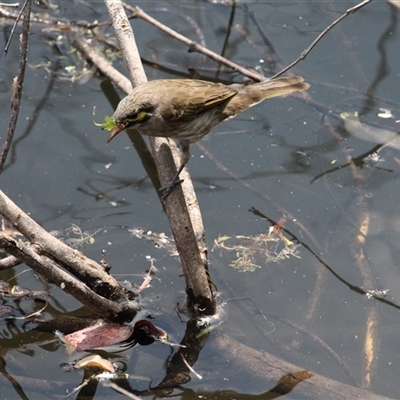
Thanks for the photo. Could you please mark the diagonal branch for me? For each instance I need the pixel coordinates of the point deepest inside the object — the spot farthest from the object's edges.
(87, 270)
(178, 203)
(193, 46)
(53, 274)
(305, 53)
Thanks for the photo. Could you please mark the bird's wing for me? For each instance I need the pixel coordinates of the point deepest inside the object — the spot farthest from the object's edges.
(196, 97)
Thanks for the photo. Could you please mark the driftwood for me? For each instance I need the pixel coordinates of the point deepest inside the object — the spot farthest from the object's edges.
(55, 275)
(283, 376)
(78, 264)
(90, 283)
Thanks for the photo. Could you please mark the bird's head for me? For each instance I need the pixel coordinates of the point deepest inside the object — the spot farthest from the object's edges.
(130, 112)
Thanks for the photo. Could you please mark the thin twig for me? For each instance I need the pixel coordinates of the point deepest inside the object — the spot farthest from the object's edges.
(9, 5)
(305, 53)
(121, 390)
(227, 39)
(18, 83)
(139, 13)
(190, 368)
(27, 3)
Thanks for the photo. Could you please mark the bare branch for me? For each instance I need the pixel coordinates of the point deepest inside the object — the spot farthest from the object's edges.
(9, 262)
(139, 13)
(193, 259)
(82, 267)
(18, 83)
(305, 53)
(105, 67)
(49, 270)
(126, 40)
(26, 14)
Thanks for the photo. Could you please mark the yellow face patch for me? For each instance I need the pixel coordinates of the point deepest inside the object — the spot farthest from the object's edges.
(138, 117)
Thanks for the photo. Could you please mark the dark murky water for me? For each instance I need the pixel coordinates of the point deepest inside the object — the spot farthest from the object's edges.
(293, 154)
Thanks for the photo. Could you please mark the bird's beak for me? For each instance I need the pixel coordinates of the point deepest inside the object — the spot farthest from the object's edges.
(120, 126)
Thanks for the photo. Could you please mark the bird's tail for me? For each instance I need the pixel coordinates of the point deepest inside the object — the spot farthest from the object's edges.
(251, 95)
(279, 86)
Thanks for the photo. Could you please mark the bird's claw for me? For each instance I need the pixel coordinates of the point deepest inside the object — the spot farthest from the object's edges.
(168, 188)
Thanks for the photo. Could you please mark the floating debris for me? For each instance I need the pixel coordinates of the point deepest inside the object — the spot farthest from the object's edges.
(270, 247)
(380, 294)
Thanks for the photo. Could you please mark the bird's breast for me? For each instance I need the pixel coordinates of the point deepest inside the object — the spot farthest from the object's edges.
(184, 130)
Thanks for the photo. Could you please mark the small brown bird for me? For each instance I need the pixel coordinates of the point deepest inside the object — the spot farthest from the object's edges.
(187, 109)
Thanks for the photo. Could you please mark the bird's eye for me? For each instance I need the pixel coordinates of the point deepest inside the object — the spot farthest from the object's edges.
(132, 117)
(138, 116)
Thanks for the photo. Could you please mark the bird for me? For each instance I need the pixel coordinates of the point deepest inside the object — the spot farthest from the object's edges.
(187, 109)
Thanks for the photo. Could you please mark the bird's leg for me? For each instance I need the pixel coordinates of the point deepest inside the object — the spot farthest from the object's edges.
(169, 187)
(185, 156)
